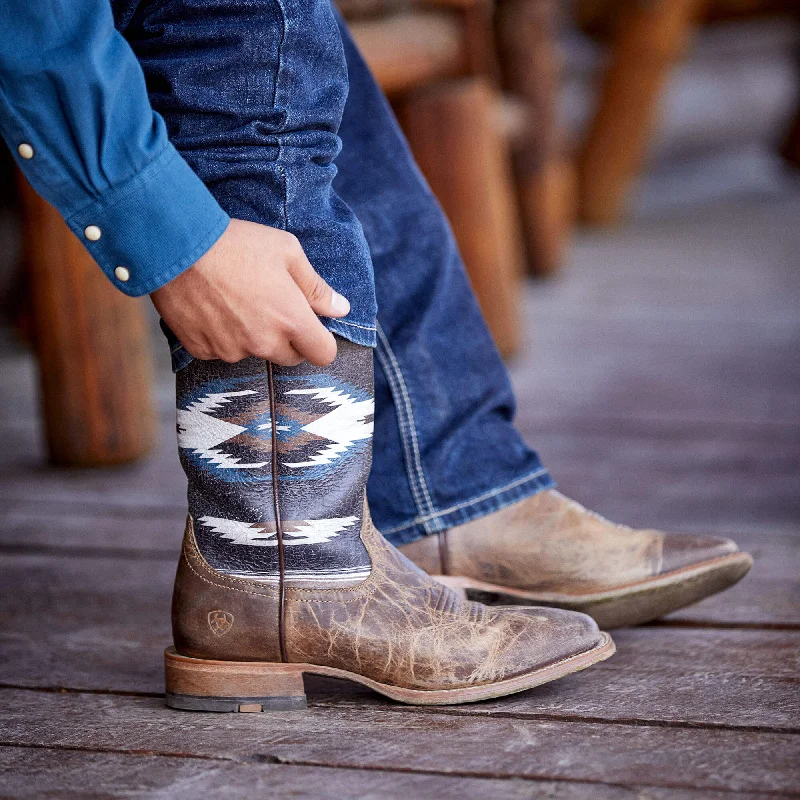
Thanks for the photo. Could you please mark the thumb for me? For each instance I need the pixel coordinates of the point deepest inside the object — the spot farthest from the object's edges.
(323, 300)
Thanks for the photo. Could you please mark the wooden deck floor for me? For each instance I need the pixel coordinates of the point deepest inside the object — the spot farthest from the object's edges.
(661, 386)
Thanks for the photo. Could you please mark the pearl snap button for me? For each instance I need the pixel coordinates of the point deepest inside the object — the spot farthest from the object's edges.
(92, 233)
(123, 274)
(25, 150)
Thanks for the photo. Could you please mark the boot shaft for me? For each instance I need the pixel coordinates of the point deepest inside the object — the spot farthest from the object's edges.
(314, 482)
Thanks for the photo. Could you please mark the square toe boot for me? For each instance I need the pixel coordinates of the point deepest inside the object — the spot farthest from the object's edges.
(282, 572)
(550, 550)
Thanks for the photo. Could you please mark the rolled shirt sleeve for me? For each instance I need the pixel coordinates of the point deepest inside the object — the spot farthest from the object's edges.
(75, 113)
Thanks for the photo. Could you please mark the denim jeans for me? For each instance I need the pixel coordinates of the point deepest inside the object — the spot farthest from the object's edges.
(271, 104)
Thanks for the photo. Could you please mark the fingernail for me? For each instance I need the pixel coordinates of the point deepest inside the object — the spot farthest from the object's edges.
(340, 304)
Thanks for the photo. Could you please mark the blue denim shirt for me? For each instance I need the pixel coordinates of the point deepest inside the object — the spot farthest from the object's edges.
(75, 113)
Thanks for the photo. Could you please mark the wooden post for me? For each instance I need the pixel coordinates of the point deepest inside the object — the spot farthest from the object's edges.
(92, 344)
(650, 36)
(791, 144)
(527, 36)
(453, 132)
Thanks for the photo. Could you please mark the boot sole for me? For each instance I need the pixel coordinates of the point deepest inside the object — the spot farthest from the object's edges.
(623, 606)
(195, 684)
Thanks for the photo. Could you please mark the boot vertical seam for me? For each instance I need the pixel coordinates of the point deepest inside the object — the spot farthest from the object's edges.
(277, 511)
(444, 558)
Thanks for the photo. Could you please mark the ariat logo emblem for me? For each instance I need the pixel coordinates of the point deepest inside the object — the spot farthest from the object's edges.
(220, 622)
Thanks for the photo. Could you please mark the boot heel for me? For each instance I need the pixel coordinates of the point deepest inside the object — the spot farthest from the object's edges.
(196, 684)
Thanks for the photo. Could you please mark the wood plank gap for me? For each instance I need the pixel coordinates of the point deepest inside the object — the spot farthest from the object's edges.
(59, 551)
(723, 625)
(589, 720)
(111, 750)
(140, 508)
(75, 690)
(653, 427)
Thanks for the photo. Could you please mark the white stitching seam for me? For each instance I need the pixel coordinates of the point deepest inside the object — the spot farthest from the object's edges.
(354, 325)
(408, 433)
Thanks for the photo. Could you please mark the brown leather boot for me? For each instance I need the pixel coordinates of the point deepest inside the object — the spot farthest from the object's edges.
(244, 646)
(282, 572)
(549, 550)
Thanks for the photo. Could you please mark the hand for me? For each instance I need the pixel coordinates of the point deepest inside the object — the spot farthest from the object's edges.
(254, 293)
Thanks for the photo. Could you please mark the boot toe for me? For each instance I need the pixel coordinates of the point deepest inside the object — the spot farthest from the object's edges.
(681, 550)
(551, 635)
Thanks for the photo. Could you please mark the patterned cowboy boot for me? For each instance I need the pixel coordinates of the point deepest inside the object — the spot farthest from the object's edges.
(549, 550)
(282, 572)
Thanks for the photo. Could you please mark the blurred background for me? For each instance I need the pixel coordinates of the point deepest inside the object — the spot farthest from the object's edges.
(622, 178)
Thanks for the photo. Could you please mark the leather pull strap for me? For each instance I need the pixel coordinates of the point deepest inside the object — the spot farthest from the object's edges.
(278, 522)
(443, 559)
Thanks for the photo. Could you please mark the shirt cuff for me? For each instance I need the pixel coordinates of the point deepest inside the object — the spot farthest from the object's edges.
(156, 225)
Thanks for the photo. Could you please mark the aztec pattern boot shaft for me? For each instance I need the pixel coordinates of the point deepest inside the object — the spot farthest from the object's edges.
(323, 421)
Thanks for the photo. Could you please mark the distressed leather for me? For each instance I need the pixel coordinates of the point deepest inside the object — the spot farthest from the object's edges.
(550, 543)
(397, 627)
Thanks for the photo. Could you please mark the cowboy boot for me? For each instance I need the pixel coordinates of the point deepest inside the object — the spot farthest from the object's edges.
(549, 550)
(282, 572)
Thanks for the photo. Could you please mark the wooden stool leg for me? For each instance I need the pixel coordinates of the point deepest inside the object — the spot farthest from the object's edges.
(453, 132)
(650, 36)
(546, 184)
(93, 348)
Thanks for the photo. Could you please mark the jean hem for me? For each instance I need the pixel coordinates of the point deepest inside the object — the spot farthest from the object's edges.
(356, 333)
(475, 508)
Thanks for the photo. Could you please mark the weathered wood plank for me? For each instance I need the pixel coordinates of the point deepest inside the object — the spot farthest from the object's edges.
(693, 479)
(373, 738)
(33, 773)
(733, 258)
(649, 368)
(101, 624)
(115, 530)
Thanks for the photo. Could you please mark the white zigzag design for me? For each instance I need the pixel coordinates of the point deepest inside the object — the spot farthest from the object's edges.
(201, 432)
(343, 426)
(310, 531)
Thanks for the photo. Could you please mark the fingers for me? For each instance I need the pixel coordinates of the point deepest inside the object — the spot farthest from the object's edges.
(322, 299)
(285, 355)
(257, 296)
(282, 353)
(314, 341)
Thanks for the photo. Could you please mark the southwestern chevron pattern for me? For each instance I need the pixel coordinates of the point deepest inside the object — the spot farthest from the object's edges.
(324, 432)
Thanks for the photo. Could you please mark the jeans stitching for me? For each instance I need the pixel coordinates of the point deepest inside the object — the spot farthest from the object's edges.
(284, 31)
(354, 325)
(418, 501)
(408, 434)
(284, 180)
(473, 501)
(409, 424)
